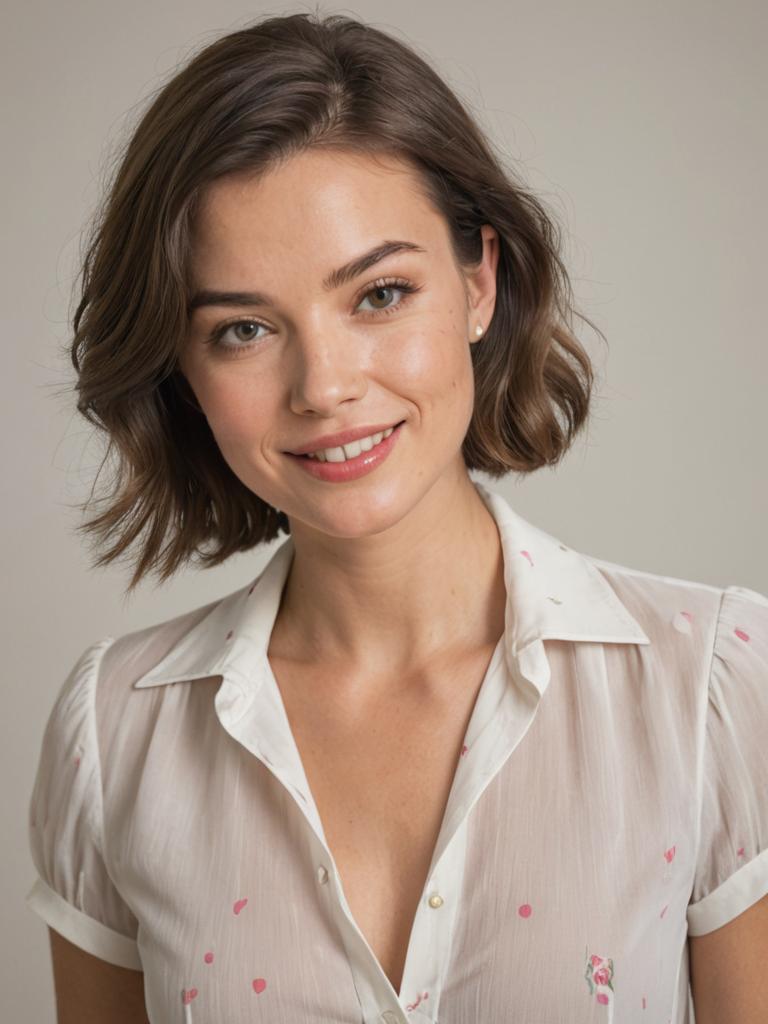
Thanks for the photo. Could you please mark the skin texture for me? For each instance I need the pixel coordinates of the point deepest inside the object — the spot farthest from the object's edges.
(729, 979)
(92, 991)
(381, 550)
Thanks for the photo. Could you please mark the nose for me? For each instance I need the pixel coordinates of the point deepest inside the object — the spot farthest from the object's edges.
(327, 369)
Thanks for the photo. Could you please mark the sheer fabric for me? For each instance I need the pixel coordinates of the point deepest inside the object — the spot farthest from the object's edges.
(609, 799)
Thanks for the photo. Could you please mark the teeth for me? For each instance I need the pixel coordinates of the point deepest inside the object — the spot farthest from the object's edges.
(349, 451)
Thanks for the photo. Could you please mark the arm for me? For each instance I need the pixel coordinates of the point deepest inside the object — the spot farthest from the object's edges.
(91, 991)
(729, 970)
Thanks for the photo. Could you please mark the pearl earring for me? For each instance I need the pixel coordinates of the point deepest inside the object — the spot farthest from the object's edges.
(479, 330)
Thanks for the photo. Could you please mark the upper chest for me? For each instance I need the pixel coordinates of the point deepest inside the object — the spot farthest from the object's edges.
(381, 762)
(381, 769)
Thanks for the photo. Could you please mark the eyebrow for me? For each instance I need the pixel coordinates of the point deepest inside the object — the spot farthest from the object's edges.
(338, 277)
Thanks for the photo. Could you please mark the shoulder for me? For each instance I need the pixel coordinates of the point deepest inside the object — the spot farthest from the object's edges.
(133, 654)
(663, 603)
(667, 606)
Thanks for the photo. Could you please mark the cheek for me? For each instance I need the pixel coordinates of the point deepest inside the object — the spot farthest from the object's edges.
(237, 413)
(437, 369)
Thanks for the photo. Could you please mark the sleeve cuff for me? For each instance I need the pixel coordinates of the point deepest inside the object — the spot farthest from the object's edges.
(86, 932)
(731, 898)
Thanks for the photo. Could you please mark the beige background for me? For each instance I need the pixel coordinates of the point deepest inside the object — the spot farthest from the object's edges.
(643, 127)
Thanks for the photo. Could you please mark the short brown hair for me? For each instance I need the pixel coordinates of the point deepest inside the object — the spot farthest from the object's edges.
(255, 96)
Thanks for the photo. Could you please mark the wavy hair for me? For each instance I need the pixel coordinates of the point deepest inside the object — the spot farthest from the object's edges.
(251, 98)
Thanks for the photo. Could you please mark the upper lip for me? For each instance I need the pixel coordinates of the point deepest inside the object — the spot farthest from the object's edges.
(342, 438)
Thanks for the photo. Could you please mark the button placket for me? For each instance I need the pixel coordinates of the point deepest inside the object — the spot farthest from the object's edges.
(374, 990)
(430, 946)
(263, 729)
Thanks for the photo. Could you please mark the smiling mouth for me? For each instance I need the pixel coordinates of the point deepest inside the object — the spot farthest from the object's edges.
(320, 456)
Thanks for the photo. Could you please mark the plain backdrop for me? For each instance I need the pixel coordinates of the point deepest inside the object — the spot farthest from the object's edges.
(641, 125)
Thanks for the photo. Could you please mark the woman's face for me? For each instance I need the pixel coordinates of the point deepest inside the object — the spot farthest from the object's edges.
(311, 358)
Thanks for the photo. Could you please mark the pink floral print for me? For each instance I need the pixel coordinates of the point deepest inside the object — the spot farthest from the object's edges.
(599, 975)
(421, 996)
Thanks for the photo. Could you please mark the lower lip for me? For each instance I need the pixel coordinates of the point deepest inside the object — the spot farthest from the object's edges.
(350, 469)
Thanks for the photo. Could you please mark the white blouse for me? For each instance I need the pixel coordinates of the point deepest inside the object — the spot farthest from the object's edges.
(610, 798)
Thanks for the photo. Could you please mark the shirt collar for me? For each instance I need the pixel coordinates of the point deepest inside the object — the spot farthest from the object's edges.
(553, 593)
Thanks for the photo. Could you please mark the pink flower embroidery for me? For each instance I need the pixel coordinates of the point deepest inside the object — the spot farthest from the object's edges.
(421, 995)
(599, 975)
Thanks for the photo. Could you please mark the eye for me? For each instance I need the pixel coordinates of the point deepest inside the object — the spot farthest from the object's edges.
(250, 327)
(397, 285)
(244, 343)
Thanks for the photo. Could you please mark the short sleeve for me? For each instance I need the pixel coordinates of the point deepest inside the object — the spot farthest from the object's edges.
(73, 892)
(732, 859)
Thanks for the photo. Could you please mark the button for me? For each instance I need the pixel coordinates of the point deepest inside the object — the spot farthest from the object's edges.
(436, 900)
(390, 1017)
(322, 875)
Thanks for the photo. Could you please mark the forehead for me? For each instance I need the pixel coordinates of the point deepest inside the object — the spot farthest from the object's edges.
(320, 201)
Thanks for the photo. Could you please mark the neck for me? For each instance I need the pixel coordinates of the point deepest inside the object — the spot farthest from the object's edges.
(430, 585)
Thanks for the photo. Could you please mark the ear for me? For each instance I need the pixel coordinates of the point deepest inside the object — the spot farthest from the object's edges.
(480, 284)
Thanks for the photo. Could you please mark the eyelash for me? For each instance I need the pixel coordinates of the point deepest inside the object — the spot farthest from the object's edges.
(395, 283)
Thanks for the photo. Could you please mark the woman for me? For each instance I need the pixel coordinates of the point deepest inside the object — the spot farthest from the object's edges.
(432, 764)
